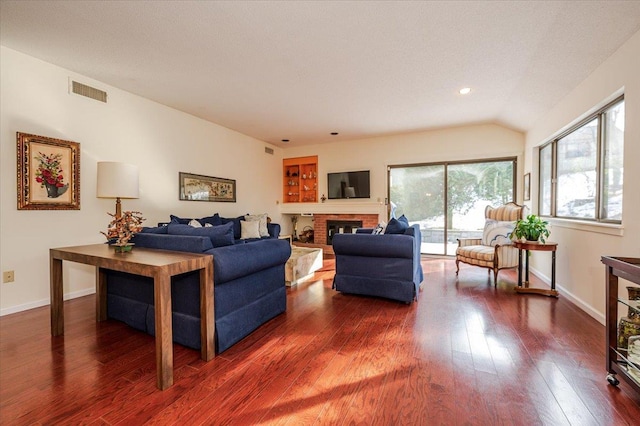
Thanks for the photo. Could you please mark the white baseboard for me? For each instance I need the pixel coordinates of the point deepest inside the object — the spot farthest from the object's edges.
(45, 302)
(571, 297)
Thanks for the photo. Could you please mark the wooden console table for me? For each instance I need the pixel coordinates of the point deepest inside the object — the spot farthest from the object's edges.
(535, 246)
(160, 265)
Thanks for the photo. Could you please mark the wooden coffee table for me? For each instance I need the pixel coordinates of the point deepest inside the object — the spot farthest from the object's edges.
(160, 265)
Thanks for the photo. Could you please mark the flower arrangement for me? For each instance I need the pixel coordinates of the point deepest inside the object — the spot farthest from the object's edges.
(124, 227)
(49, 170)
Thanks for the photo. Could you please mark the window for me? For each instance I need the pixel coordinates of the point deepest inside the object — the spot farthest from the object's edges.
(581, 170)
(448, 199)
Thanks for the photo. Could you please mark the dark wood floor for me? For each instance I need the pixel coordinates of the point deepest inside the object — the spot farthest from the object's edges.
(465, 353)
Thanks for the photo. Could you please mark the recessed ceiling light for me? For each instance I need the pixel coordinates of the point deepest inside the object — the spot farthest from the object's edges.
(285, 140)
(334, 133)
(465, 90)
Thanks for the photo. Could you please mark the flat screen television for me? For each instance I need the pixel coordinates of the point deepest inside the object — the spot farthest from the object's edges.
(348, 185)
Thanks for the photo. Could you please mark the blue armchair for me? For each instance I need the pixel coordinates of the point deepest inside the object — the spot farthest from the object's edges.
(379, 265)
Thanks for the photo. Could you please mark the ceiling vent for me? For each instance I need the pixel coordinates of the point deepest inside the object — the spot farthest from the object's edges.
(88, 91)
(268, 150)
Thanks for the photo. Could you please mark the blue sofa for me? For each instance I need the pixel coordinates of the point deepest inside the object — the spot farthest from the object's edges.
(249, 285)
(379, 265)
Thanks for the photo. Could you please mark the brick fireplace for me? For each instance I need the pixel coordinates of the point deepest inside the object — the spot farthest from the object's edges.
(320, 223)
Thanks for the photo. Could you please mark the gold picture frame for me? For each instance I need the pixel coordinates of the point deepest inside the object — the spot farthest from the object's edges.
(48, 173)
(206, 188)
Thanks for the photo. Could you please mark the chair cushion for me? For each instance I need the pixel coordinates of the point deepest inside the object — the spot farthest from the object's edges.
(482, 253)
(497, 232)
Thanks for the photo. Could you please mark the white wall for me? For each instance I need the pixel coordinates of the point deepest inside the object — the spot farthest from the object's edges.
(580, 273)
(160, 140)
(375, 154)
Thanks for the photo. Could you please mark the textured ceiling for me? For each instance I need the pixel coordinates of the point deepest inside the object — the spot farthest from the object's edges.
(300, 70)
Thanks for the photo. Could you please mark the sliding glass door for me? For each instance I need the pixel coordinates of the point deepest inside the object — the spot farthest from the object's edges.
(448, 199)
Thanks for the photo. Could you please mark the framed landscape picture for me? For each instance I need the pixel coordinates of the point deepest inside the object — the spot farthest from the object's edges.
(206, 188)
(48, 173)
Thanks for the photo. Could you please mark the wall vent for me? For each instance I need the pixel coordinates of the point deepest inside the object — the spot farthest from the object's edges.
(268, 150)
(88, 91)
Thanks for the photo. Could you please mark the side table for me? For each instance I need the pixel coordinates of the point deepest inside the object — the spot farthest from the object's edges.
(161, 265)
(523, 287)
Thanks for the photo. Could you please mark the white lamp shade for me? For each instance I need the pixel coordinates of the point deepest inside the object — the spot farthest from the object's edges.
(349, 192)
(117, 180)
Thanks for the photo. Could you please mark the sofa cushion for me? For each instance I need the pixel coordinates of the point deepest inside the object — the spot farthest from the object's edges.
(396, 226)
(249, 229)
(404, 219)
(497, 232)
(220, 236)
(262, 220)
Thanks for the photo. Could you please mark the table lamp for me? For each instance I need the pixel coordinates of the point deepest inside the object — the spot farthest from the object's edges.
(117, 180)
(349, 192)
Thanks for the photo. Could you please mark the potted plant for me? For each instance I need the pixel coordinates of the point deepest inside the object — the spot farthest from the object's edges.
(531, 229)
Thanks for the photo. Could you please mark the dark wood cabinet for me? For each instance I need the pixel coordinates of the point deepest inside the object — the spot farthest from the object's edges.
(618, 364)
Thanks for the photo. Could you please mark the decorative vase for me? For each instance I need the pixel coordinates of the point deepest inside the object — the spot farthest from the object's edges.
(634, 314)
(123, 248)
(630, 325)
(626, 329)
(52, 190)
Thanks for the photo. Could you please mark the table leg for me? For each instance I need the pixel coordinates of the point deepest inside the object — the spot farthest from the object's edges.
(519, 267)
(526, 278)
(553, 270)
(57, 303)
(207, 315)
(164, 330)
(101, 294)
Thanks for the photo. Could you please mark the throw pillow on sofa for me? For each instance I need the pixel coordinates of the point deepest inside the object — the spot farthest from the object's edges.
(221, 235)
(262, 219)
(213, 220)
(379, 229)
(396, 226)
(154, 230)
(249, 229)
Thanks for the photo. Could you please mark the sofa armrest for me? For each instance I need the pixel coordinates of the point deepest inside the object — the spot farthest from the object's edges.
(239, 260)
(463, 242)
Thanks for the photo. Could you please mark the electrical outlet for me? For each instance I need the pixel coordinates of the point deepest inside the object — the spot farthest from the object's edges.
(8, 276)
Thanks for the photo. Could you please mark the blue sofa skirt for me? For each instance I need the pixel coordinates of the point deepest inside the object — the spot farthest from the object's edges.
(241, 305)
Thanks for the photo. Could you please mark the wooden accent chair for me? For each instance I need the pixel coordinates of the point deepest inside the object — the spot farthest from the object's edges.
(494, 249)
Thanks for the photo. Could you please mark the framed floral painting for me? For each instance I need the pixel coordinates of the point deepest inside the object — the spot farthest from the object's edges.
(48, 173)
